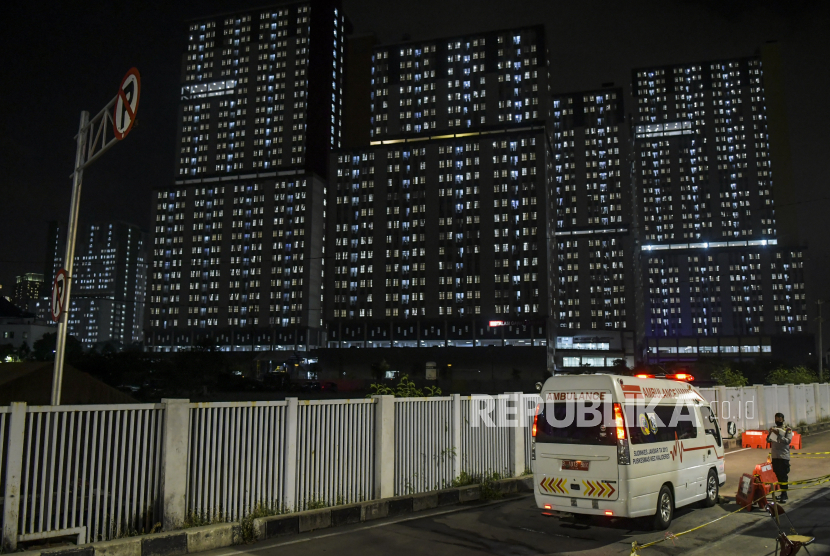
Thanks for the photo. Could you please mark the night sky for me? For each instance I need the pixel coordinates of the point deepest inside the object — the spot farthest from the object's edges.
(59, 58)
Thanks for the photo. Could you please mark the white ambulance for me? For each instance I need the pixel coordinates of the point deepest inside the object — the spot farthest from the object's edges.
(656, 447)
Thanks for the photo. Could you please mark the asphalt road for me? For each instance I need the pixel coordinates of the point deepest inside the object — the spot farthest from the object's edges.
(515, 527)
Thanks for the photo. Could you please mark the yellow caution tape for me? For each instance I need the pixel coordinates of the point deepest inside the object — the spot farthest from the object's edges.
(817, 481)
(806, 455)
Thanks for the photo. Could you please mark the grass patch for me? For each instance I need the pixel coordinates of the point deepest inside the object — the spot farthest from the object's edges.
(487, 482)
(260, 510)
(200, 519)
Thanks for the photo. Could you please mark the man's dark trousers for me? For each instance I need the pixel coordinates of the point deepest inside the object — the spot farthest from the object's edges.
(781, 468)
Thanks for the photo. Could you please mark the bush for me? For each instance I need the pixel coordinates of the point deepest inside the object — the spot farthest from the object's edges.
(405, 389)
(729, 377)
(796, 375)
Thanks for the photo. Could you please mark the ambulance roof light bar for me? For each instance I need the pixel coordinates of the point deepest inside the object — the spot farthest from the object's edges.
(682, 377)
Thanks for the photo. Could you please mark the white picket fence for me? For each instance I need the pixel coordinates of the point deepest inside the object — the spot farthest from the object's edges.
(99, 472)
(90, 472)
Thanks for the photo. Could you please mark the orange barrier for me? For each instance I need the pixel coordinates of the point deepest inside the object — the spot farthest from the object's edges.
(754, 439)
(750, 492)
(796, 443)
(765, 475)
(758, 439)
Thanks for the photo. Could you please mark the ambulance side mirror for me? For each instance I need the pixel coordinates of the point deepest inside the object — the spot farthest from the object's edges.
(731, 429)
(538, 386)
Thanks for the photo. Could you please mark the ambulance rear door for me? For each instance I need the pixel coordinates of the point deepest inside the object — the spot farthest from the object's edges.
(577, 457)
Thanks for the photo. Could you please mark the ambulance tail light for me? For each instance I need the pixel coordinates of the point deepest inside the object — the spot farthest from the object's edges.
(609, 512)
(623, 453)
(535, 421)
(619, 422)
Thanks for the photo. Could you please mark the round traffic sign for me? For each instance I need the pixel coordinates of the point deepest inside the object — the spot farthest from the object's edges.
(59, 295)
(126, 104)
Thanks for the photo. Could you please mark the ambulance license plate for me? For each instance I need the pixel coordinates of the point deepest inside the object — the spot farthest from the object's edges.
(574, 465)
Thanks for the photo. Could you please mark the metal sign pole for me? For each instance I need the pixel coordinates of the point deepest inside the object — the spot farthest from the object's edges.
(69, 257)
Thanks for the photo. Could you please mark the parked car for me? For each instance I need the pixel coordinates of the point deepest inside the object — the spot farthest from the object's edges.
(275, 381)
(329, 387)
(311, 386)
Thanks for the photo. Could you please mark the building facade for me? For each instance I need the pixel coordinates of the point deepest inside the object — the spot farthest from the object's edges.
(27, 289)
(438, 229)
(482, 211)
(715, 279)
(238, 256)
(459, 84)
(109, 283)
(262, 90)
(593, 274)
(448, 230)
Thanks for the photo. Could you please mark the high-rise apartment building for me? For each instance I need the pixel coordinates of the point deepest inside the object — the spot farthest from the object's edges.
(715, 279)
(27, 289)
(440, 226)
(238, 238)
(109, 282)
(460, 84)
(593, 273)
(262, 90)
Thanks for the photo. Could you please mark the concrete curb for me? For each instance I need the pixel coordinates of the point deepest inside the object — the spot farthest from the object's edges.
(281, 525)
(173, 543)
(731, 443)
(807, 430)
(221, 535)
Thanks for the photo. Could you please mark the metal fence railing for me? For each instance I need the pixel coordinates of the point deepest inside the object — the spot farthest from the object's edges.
(335, 452)
(100, 472)
(424, 450)
(4, 435)
(485, 449)
(236, 458)
(90, 471)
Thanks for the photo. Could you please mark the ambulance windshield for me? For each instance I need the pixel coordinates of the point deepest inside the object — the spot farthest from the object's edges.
(576, 422)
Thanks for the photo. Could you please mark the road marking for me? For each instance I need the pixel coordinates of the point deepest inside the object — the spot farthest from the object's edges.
(413, 518)
(736, 451)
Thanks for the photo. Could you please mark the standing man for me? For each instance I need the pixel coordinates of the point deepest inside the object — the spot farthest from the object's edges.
(779, 439)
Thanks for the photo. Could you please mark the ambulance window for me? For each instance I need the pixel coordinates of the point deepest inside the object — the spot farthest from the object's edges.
(666, 423)
(558, 424)
(710, 423)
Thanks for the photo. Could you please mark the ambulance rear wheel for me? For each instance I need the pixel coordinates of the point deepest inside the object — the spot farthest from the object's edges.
(712, 489)
(665, 509)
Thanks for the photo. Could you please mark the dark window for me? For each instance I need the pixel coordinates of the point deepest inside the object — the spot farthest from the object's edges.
(710, 424)
(666, 423)
(558, 423)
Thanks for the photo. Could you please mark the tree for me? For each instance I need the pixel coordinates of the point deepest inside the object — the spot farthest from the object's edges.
(729, 377)
(620, 368)
(796, 375)
(7, 351)
(379, 369)
(44, 349)
(23, 351)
